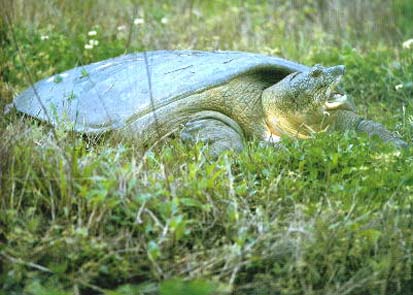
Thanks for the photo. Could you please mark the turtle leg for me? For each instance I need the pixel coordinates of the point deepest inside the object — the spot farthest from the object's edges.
(345, 120)
(218, 135)
(376, 129)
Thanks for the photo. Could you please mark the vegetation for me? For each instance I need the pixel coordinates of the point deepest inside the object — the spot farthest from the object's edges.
(330, 215)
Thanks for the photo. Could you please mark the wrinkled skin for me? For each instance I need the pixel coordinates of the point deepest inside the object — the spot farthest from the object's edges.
(309, 102)
(300, 104)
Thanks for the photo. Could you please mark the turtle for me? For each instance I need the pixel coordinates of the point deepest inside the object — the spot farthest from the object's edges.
(222, 98)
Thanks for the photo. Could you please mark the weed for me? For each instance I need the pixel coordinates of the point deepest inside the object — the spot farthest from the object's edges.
(98, 215)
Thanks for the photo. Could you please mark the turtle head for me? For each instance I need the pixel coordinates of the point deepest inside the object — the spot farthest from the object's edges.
(299, 104)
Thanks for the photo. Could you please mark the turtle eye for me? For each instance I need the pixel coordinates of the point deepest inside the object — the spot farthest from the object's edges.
(316, 71)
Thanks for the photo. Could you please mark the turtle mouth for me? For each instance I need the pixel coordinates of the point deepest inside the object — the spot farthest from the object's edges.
(336, 98)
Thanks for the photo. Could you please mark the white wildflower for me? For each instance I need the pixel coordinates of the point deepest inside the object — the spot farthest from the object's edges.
(398, 87)
(93, 42)
(408, 43)
(44, 37)
(92, 33)
(164, 20)
(88, 46)
(197, 13)
(122, 28)
(139, 21)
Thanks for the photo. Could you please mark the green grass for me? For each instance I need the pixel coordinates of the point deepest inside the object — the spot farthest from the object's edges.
(329, 215)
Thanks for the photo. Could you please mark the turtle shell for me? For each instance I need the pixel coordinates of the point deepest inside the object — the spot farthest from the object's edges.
(104, 95)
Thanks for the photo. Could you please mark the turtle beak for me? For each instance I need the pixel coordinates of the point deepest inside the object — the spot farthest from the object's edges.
(336, 96)
(338, 101)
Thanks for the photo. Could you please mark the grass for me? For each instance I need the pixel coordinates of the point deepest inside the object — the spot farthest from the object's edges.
(330, 215)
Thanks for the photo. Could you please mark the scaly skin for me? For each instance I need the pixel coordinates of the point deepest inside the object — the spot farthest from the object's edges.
(342, 120)
(306, 103)
(237, 104)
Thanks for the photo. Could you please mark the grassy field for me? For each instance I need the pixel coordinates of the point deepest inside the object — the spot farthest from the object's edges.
(329, 215)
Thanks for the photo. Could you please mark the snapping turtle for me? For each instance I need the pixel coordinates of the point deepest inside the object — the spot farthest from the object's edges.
(219, 97)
